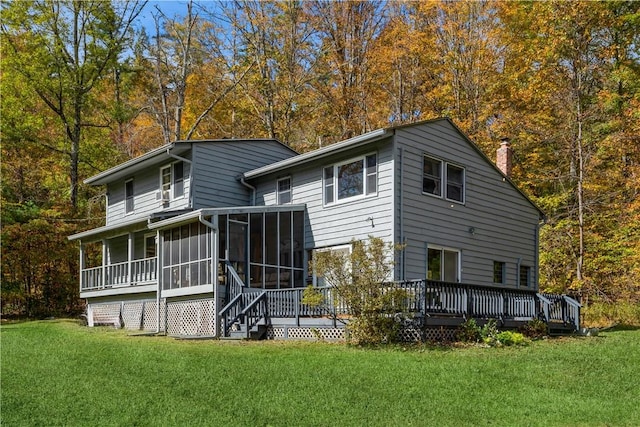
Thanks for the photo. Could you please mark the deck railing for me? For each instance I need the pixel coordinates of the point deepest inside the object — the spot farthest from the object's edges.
(560, 309)
(117, 275)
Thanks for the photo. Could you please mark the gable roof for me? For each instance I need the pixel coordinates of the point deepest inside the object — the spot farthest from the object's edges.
(164, 153)
(368, 138)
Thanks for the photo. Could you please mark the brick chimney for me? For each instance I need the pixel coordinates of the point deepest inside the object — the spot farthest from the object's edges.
(504, 157)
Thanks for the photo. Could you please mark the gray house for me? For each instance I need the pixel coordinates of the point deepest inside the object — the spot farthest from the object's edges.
(213, 238)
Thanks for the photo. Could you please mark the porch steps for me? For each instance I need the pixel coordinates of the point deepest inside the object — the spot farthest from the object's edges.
(258, 332)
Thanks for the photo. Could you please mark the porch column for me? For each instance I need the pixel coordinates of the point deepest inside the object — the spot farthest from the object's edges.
(130, 263)
(159, 246)
(104, 263)
(82, 265)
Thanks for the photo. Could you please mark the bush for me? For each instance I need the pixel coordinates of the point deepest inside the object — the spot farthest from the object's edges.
(358, 280)
(534, 329)
(509, 338)
(469, 331)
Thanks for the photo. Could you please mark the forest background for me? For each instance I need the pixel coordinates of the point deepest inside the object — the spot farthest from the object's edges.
(86, 86)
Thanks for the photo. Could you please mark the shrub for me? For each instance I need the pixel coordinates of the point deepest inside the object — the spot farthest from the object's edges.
(534, 329)
(509, 338)
(489, 332)
(468, 331)
(358, 281)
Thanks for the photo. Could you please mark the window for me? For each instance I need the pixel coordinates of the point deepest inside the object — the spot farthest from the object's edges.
(432, 176)
(178, 180)
(498, 272)
(525, 276)
(355, 178)
(284, 190)
(443, 264)
(149, 245)
(433, 181)
(455, 183)
(128, 196)
(172, 182)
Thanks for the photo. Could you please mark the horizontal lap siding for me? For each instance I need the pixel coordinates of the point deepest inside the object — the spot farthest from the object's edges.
(339, 223)
(505, 223)
(145, 186)
(218, 166)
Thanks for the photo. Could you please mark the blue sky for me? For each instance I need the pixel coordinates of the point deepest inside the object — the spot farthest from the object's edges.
(171, 8)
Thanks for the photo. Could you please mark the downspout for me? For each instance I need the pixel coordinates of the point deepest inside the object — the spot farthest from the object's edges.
(536, 259)
(214, 269)
(401, 213)
(250, 187)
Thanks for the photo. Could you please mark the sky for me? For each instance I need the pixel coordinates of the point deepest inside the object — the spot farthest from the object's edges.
(171, 8)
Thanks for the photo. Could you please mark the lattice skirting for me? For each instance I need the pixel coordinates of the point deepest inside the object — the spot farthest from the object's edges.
(133, 315)
(191, 318)
(311, 333)
(305, 333)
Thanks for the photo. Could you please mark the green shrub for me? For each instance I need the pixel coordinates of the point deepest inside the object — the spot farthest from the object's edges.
(602, 314)
(534, 329)
(468, 331)
(509, 338)
(489, 332)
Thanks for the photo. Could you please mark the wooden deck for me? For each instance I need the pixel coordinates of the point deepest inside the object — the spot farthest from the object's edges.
(428, 304)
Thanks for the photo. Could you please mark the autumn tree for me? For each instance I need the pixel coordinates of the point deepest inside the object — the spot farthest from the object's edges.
(63, 49)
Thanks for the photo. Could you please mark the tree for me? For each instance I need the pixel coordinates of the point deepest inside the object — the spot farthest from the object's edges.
(63, 49)
(361, 280)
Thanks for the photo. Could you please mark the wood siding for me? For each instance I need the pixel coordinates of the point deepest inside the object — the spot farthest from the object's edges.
(341, 222)
(145, 186)
(218, 166)
(496, 222)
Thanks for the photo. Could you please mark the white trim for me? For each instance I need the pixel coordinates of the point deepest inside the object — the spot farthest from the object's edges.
(133, 197)
(336, 179)
(444, 178)
(278, 202)
(442, 249)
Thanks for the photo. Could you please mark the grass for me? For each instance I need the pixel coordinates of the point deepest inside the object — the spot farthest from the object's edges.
(58, 373)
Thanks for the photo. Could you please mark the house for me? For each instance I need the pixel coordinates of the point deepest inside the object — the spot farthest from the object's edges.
(212, 238)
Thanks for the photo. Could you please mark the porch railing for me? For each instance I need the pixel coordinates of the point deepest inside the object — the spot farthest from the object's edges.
(117, 275)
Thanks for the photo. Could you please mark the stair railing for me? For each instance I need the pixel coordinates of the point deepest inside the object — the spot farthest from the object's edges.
(230, 313)
(255, 311)
(235, 282)
(572, 311)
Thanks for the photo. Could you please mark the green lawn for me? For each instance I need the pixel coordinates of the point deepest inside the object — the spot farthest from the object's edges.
(58, 373)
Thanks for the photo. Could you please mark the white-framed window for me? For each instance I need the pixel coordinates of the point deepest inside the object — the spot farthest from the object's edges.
(172, 181)
(432, 176)
(443, 264)
(128, 196)
(499, 272)
(455, 183)
(352, 179)
(442, 178)
(284, 190)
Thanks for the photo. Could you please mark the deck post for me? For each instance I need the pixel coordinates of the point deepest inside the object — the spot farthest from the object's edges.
(104, 263)
(297, 303)
(469, 312)
(130, 259)
(82, 266)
